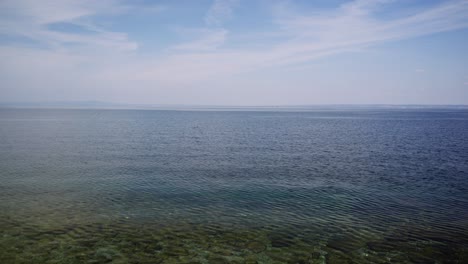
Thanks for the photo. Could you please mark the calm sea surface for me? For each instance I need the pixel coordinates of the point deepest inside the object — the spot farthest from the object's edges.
(319, 186)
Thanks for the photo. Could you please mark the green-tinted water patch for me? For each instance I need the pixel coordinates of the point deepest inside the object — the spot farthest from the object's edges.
(132, 242)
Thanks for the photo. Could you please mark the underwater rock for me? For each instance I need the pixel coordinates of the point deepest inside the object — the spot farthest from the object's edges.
(222, 251)
(343, 244)
(315, 255)
(256, 247)
(420, 259)
(320, 260)
(251, 259)
(106, 254)
(280, 243)
(278, 255)
(217, 260)
(379, 246)
(336, 259)
(463, 255)
(280, 240)
(175, 251)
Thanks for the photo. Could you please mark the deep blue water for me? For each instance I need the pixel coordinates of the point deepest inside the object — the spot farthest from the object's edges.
(318, 186)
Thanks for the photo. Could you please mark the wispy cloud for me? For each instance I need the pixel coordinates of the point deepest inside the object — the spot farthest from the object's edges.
(206, 40)
(108, 55)
(32, 20)
(213, 35)
(220, 11)
(352, 26)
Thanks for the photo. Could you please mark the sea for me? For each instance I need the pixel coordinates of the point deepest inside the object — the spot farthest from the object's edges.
(299, 185)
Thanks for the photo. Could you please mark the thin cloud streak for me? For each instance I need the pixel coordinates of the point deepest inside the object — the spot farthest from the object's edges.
(31, 19)
(351, 27)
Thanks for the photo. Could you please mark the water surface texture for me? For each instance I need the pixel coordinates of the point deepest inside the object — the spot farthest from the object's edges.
(319, 186)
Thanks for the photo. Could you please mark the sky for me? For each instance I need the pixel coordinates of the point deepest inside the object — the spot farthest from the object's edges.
(235, 52)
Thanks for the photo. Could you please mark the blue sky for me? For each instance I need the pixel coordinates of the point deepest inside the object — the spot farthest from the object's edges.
(235, 52)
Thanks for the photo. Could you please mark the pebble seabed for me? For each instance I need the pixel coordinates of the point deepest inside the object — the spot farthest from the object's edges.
(129, 242)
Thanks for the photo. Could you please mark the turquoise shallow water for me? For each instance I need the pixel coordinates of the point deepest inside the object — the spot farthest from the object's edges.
(139, 186)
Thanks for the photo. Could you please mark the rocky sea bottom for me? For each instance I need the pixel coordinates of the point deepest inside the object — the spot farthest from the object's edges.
(127, 241)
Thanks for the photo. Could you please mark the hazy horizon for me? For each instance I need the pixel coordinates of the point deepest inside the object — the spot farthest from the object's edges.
(235, 52)
(97, 105)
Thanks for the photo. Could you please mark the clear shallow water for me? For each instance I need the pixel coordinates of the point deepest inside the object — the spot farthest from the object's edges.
(123, 186)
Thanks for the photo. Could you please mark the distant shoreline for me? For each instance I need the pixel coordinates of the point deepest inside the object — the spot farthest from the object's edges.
(285, 108)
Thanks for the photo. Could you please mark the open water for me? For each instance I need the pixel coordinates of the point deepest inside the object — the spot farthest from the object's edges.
(315, 186)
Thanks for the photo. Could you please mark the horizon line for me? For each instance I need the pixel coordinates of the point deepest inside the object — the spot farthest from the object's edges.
(137, 106)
